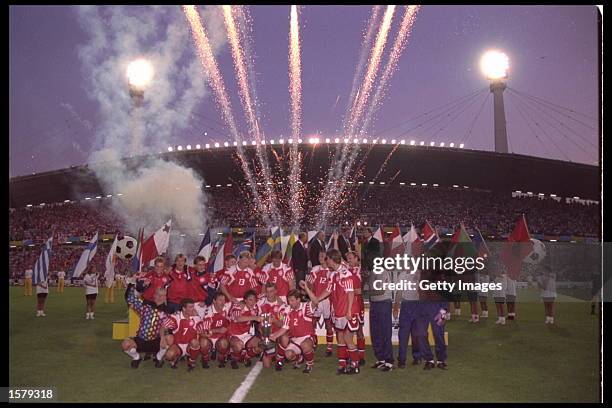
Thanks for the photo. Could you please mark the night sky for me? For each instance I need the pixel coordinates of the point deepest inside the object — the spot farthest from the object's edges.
(553, 54)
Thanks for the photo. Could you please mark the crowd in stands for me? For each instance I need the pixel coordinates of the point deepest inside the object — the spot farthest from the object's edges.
(494, 214)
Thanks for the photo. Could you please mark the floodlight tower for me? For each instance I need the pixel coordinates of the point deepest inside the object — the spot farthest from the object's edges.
(139, 74)
(494, 65)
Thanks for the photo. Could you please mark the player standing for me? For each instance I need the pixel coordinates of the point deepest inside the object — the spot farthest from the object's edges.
(345, 312)
(354, 265)
(278, 274)
(90, 280)
(148, 282)
(180, 285)
(318, 279)
(201, 283)
(239, 279)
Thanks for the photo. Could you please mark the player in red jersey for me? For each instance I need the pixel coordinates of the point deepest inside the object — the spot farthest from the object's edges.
(279, 274)
(147, 283)
(228, 262)
(243, 344)
(318, 279)
(215, 324)
(185, 326)
(273, 306)
(239, 279)
(354, 264)
(345, 311)
(200, 283)
(180, 285)
(298, 326)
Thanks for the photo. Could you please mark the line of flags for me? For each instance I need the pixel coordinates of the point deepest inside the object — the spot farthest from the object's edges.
(519, 245)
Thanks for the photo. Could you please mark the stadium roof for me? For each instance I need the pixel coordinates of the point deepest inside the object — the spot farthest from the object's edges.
(404, 164)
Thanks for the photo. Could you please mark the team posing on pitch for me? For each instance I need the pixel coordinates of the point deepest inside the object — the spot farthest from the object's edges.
(246, 312)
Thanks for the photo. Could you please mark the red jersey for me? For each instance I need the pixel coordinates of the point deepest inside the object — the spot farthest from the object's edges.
(199, 284)
(238, 281)
(240, 309)
(219, 275)
(155, 282)
(340, 286)
(276, 309)
(185, 328)
(319, 277)
(280, 276)
(299, 321)
(356, 271)
(215, 320)
(180, 286)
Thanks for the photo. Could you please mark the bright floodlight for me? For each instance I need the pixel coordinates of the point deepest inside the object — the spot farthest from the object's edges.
(139, 73)
(494, 64)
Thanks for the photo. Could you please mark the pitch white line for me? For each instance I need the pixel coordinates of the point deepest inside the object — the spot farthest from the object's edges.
(246, 385)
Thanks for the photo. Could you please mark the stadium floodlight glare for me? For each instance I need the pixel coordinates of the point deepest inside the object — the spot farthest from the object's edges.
(374, 141)
(299, 140)
(207, 146)
(402, 183)
(66, 201)
(461, 146)
(244, 143)
(371, 182)
(327, 140)
(412, 143)
(382, 183)
(281, 141)
(365, 140)
(263, 142)
(424, 184)
(365, 223)
(355, 140)
(205, 133)
(290, 141)
(218, 185)
(413, 184)
(337, 140)
(229, 185)
(216, 144)
(432, 143)
(180, 148)
(198, 146)
(553, 195)
(253, 142)
(422, 143)
(42, 204)
(494, 65)
(226, 144)
(119, 194)
(346, 140)
(455, 185)
(441, 144)
(435, 185)
(170, 148)
(393, 141)
(403, 141)
(576, 198)
(139, 73)
(88, 198)
(188, 147)
(452, 145)
(384, 141)
(109, 195)
(208, 186)
(359, 223)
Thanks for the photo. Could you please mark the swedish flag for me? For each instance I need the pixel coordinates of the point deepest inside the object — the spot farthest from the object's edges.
(273, 242)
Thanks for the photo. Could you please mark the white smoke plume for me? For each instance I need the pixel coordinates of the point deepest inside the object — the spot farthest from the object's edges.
(156, 190)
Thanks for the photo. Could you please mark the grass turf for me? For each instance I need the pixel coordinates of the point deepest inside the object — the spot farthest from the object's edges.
(525, 360)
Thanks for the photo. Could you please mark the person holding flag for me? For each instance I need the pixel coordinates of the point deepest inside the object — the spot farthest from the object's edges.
(463, 247)
(61, 275)
(88, 253)
(482, 275)
(90, 280)
(40, 275)
(109, 274)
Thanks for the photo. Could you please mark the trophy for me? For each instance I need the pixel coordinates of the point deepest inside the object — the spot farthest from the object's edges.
(266, 330)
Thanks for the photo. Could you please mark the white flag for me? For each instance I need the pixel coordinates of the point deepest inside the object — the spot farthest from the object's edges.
(109, 275)
(87, 255)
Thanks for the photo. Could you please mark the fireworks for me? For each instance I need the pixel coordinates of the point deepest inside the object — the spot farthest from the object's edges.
(207, 58)
(295, 92)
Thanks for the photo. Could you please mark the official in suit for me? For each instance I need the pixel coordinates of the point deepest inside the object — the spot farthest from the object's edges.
(299, 258)
(315, 247)
(344, 243)
(371, 250)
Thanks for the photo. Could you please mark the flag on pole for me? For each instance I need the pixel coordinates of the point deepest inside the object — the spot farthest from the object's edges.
(430, 237)
(519, 245)
(156, 244)
(109, 275)
(461, 244)
(355, 240)
(87, 255)
(264, 251)
(289, 249)
(378, 234)
(413, 244)
(213, 256)
(481, 245)
(333, 241)
(276, 236)
(41, 269)
(246, 245)
(284, 242)
(396, 246)
(206, 246)
(136, 264)
(311, 235)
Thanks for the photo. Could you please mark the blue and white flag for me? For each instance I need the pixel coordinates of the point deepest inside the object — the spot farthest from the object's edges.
(86, 256)
(41, 269)
(206, 246)
(109, 275)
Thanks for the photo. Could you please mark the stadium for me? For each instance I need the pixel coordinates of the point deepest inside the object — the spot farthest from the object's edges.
(230, 195)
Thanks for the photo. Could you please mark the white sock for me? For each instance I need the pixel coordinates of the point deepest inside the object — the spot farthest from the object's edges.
(38, 313)
(161, 353)
(133, 353)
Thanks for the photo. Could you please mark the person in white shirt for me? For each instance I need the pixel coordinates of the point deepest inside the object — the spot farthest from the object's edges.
(60, 281)
(548, 291)
(91, 291)
(42, 290)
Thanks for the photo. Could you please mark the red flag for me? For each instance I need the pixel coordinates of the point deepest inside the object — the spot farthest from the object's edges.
(229, 245)
(396, 243)
(519, 245)
(156, 244)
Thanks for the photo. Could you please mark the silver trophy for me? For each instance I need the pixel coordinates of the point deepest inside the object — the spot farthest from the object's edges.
(266, 330)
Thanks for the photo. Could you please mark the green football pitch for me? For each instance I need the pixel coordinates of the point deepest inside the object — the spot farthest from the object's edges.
(524, 360)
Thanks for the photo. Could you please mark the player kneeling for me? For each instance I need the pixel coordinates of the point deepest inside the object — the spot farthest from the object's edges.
(299, 345)
(243, 344)
(185, 325)
(215, 324)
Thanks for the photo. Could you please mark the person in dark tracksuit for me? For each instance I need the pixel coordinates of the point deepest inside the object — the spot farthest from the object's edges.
(381, 329)
(407, 304)
(432, 309)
